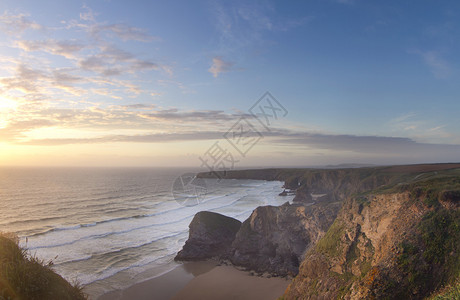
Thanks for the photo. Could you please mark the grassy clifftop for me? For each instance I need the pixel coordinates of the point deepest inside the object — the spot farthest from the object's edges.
(25, 277)
(397, 241)
(338, 183)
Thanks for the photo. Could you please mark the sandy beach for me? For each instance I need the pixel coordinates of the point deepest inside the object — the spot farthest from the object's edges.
(164, 286)
(226, 282)
(203, 280)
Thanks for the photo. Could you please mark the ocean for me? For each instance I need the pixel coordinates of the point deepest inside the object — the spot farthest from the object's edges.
(109, 228)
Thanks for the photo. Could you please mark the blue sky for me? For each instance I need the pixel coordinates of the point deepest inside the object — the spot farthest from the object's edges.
(153, 83)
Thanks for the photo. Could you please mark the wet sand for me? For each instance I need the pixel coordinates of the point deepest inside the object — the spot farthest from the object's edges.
(162, 287)
(226, 282)
(203, 280)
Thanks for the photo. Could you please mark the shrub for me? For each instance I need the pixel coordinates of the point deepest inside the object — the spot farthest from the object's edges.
(23, 276)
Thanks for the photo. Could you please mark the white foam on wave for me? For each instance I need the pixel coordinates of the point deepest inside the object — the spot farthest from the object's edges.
(103, 242)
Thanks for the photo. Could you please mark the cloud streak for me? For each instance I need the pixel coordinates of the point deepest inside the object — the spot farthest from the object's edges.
(17, 24)
(67, 49)
(146, 138)
(390, 149)
(195, 116)
(112, 61)
(122, 31)
(52, 70)
(439, 67)
(374, 147)
(435, 62)
(133, 117)
(219, 66)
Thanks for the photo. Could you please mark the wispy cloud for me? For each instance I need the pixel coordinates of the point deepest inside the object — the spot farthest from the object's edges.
(133, 117)
(439, 67)
(17, 24)
(419, 128)
(26, 80)
(195, 116)
(404, 122)
(145, 138)
(123, 31)
(94, 64)
(361, 144)
(374, 148)
(435, 61)
(255, 17)
(88, 14)
(16, 130)
(112, 61)
(67, 48)
(377, 148)
(219, 66)
(245, 25)
(139, 106)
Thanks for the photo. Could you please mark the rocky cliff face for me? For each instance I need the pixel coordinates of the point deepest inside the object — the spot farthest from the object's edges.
(401, 243)
(339, 184)
(210, 235)
(336, 183)
(395, 237)
(274, 239)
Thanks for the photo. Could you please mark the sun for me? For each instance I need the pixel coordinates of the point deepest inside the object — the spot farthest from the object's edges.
(7, 105)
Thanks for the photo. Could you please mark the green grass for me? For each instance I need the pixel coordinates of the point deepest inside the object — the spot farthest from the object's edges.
(346, 280)
(432, 257)
(448, 293)
(353, 254)
(440, 233)
(330, 243)
(23, 276)
(408, 254)
(419, 183)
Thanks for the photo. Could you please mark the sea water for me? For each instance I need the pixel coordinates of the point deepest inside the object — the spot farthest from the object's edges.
(109, 228)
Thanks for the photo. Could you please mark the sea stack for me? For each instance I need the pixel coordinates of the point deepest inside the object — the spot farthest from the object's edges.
(210, 235)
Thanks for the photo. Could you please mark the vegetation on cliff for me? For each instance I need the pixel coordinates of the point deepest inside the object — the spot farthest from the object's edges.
(23, 276)
(398, 241)
(395, 237)
(339, 183)
(447, 293)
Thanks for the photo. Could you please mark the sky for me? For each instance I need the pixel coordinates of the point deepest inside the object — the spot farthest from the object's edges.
(229, 84)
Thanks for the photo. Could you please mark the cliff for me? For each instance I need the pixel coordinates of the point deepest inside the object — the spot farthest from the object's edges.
(398, 242)
(274, 239)
(380, 232)
(335, 183)
(25, 277)
(210, 235)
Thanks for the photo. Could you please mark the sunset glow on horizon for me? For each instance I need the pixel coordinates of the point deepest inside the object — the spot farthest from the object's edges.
(110, 83)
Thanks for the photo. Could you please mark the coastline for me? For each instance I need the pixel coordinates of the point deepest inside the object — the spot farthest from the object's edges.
(227, 282)
(163, 286)
(203, 280)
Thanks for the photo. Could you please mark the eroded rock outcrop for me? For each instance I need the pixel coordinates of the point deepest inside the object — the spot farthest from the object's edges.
(210, 235)
(274, 239)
